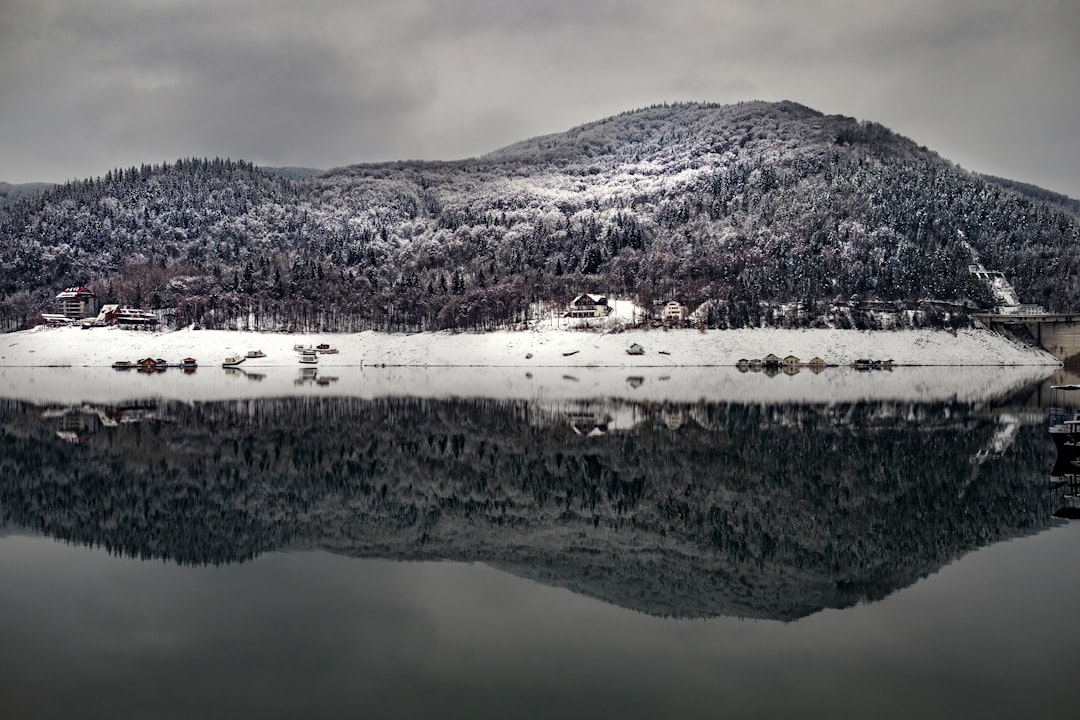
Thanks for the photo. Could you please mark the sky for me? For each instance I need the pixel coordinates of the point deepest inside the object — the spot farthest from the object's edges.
(90, 85)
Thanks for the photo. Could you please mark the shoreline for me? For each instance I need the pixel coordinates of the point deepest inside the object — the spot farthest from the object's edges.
(66, 365)
(540, 347)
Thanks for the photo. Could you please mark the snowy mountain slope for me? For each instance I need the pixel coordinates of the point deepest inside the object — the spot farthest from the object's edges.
(755, 207)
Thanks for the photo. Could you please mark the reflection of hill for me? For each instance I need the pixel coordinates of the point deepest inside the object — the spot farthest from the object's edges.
(766, 512)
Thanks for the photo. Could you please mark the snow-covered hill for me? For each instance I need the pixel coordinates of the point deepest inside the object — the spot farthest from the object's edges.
(750, 206)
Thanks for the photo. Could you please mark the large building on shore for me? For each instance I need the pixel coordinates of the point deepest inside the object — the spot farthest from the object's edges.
(76, 303)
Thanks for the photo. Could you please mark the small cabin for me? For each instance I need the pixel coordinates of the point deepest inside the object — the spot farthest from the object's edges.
(589, 306)
(770, 360)
(791, 361)
(635, 349)
(816, 362)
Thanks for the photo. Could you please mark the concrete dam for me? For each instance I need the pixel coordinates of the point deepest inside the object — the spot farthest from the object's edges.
(1057, 333)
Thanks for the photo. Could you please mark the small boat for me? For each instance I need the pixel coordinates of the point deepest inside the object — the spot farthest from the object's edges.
(327, 351)
(233, 361)
(255, 354)
(307, 359)
(322, 346)
(635, 349)
(123, 365)
(189, 364)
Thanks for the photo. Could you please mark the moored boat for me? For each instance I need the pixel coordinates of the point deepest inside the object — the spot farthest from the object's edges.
(255, 354)
(123, 365)
(233, 361)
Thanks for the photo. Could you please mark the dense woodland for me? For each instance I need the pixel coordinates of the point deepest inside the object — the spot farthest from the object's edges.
(745, 510)
(745, 208)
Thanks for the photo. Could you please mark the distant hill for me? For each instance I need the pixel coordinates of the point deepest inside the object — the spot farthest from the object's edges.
(1037, 193)
(291, 173)
(11, 194)
(766, 213)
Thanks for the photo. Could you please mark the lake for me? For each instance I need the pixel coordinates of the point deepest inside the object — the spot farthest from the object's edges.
(294, 548)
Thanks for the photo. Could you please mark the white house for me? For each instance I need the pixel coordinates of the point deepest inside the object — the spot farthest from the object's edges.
(589, 306)
(674, 310)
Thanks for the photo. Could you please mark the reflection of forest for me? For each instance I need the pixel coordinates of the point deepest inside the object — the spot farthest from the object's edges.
(691, 510)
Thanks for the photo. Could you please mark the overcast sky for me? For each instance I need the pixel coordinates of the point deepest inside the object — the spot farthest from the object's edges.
(89, 85)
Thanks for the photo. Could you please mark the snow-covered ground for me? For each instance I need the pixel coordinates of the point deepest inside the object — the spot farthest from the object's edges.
(538, 347)
(546, 364)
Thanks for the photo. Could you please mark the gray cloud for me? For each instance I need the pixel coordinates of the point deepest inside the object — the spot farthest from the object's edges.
(87, 86)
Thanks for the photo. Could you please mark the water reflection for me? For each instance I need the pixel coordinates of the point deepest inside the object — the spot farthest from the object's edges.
(685, 510)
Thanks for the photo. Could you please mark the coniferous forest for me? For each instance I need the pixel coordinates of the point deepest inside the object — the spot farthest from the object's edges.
(759, 213)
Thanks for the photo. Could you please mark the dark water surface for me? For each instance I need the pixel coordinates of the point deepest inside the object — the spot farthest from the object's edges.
(341, 557)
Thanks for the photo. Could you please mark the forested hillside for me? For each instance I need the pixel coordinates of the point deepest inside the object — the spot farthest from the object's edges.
(752, 206)
(11, 194)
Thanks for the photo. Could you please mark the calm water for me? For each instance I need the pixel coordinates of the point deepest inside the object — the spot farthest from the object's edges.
(338, 557)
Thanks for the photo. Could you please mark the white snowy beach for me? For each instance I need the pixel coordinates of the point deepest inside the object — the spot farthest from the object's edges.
(539, 347)
(546, 364)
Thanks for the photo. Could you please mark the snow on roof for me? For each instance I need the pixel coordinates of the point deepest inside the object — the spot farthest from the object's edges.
(73, 292)
(598, 299)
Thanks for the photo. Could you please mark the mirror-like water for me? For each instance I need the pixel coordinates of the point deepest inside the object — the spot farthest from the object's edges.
(493, 557)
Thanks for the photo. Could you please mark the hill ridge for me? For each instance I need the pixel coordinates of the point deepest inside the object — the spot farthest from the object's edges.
(766, 213)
